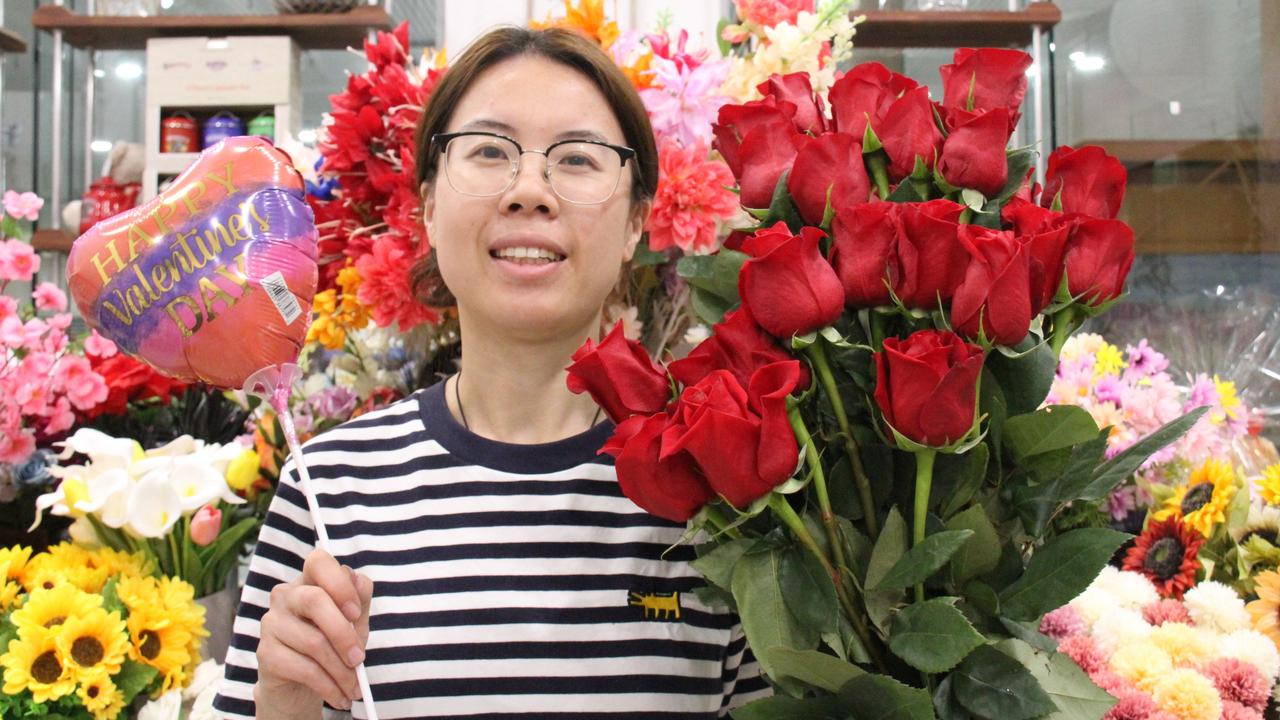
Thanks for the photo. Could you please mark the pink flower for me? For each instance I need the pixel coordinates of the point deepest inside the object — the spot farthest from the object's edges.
(1084, 652)
(384, 286)
(768, 13)
(684, 99)
(692, 195)
(1133, 706)
(98, 346)
(60, 417)
(205, 525)
(1232, 710)
(83, 387)
(1239, 682)
(8, 306)
(1163, 611)
(32, 395)
(12, 333)
(1062, 623)
(23, 206)
(18, 261)
(1112, 683)
(49, 297)
(16, 442)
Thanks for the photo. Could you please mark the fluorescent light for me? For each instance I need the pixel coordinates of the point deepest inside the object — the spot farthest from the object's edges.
(166, 4)
(99, 73)
(217, 44)
(307, 136)
(1087, 63)
(100, 146)
(1175, 107)
(128, 71)
(1033, 70)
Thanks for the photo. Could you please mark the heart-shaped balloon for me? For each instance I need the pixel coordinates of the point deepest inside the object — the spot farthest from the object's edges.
(212, 279)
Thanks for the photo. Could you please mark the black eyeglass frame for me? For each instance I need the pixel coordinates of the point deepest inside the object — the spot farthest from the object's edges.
(440, 141)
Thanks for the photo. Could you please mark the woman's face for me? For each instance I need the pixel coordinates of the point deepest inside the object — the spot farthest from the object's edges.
(536, 102)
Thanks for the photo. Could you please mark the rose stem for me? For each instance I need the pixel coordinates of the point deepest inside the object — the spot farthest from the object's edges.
(924, 482)
(819, 357)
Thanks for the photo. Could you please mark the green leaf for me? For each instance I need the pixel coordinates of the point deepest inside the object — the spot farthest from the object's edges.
(956, 478)
(645, 257)
(992, 403)
(933, 635)
(905, 192)
(762, 608)
(709, 307)
(924, 559)
(1025, 380)
(991, 684)
(815, 668)
(889, 549)
(1076, 696)
(1120, 467)
(782, 208)
(133, 678)
(717, 274)
(717, 565)
(981, 552)
(945, 705)
(880, 697)
(808, 590)
(1037, 504)
(1018, 162)
(1051, 428)
(1059, 571)
(782, 707)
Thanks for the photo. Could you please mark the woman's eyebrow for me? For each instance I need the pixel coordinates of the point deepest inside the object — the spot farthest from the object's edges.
(499, 126)
(487, 124)
(581, 135)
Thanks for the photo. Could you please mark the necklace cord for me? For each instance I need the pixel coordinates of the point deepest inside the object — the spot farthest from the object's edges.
(457, 398)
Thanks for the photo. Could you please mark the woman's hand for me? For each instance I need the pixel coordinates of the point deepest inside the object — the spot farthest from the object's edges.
(312, 638)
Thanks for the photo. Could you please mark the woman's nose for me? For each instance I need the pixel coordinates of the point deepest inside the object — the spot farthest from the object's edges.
(531, 187)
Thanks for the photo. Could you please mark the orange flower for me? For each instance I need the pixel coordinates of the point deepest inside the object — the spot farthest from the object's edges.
(1265, 611)
(587, 18)
(1167, 553)
(638, 72)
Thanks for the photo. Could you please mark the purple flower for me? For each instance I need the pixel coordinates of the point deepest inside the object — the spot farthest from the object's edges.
(1203, 392)
(1108, 388)
(1144, 361)
(333, 402)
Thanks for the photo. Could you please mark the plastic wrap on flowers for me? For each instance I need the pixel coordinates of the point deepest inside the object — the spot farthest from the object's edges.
(211, 280)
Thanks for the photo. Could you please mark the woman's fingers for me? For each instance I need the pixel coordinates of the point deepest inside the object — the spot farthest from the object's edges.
(280, 658)
(315, 605)
(320, 569)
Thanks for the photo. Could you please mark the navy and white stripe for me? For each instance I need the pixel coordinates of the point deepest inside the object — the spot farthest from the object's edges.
(503, 579)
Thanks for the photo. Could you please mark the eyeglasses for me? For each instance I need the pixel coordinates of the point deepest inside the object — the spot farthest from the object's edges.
(484, 164)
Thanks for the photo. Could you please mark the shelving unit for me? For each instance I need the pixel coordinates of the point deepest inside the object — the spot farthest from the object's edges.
(11, 42)
(942, 29)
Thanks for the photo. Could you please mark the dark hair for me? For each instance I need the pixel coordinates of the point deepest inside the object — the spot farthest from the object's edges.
(563, 46)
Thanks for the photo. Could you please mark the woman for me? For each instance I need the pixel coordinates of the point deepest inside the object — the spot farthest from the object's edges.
(486, 563)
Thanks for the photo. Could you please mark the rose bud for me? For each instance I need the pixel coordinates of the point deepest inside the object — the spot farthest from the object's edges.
(788, 286)
(927, 386)
(620, 376)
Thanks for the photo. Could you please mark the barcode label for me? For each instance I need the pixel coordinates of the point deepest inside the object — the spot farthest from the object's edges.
(279, 293)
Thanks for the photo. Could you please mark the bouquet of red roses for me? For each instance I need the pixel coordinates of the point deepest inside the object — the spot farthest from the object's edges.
(858, 442)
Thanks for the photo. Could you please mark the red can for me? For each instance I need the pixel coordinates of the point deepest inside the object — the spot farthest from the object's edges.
(103, 199)
(179, 133)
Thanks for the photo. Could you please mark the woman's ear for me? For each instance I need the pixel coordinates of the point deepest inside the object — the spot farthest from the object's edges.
(635, 226)
(427, 192)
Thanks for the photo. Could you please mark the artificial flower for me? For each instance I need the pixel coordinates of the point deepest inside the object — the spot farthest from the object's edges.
(33, 663)
(1186, 646)
(1142, 664)
(23, 206)
(1269, 485)
(1215, 606)
(693, 196)
(101, 697)
(1265, 611)
(1201, 503)
(1240, 682)
(93, 643)
(587, 18)
(1187, 694)
(1166, 552)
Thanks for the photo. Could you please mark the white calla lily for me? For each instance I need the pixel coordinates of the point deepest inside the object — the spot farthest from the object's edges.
(101, 487)
(153, 506)
(196, 484)
(105, 452)
(177, 447)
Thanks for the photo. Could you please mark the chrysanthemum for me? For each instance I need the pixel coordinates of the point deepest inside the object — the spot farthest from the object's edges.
(101, 697)
(1254, 648)
(1092, 604)
(1130, 589)
(1232, 710)
(1265, 611)
(1133, 706)
(1216, 606)
(1062, 623)
(1120, 626)
(691, 198)
(1239, 681)
(34, 664)
(45, 611)
(1108, 360)
(1166, 552)
(1165, 611)
(1202, 501)
(1142, 664)
(1085, 652)
(93, 643)
(1269, 485)
(1188, 695)
(1185, 645)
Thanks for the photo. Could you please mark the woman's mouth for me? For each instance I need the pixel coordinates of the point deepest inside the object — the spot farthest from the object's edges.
(527, 255)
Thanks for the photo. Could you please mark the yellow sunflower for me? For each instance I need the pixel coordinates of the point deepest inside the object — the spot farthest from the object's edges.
(16, 557)
(9, 591)
(45, 611)
(118, 562)
(138, 592)
(65, 563)
(1202, 501)
(101, 697)
(160, 642)
(1269, 485)
(1265, 611)
(34, 664)
(94, 643)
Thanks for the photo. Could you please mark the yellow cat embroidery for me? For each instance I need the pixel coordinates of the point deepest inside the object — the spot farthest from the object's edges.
(665, 607)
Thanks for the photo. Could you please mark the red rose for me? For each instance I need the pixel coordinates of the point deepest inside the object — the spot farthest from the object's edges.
(995, 297)
(909, 131)
(1048, 260)
(669, 487)
(864, 95)
(932, 261)
(787, 284)
(831, 166)
(973, 155)
(927, 384)
(995, 78)
(759, 143)
(1099, 255)
(794, 88)
(1090, 181)
(620, 376)
(737, 344)
(864, 241)
(123, 376)
(741, 440)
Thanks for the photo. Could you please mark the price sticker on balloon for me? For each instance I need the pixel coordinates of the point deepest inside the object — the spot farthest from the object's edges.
(212, 281)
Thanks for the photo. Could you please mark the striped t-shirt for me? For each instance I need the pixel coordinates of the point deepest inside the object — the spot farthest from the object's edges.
(510, 581)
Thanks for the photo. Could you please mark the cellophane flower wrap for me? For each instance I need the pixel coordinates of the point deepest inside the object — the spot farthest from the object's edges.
(83, 632)
(859, 448)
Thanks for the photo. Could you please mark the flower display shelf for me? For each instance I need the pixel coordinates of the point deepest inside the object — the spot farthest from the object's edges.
(50, 240)
(10, 42)
(971, 28)
(320, 31)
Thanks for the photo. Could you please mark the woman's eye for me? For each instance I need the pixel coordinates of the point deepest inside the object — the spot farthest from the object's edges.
(488, 152)
(580, 161)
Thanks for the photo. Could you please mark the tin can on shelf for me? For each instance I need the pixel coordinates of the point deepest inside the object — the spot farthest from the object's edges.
(264, 125)
(179, 134)
(222, 126)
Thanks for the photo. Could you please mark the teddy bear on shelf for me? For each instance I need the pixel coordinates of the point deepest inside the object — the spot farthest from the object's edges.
(115, 191)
